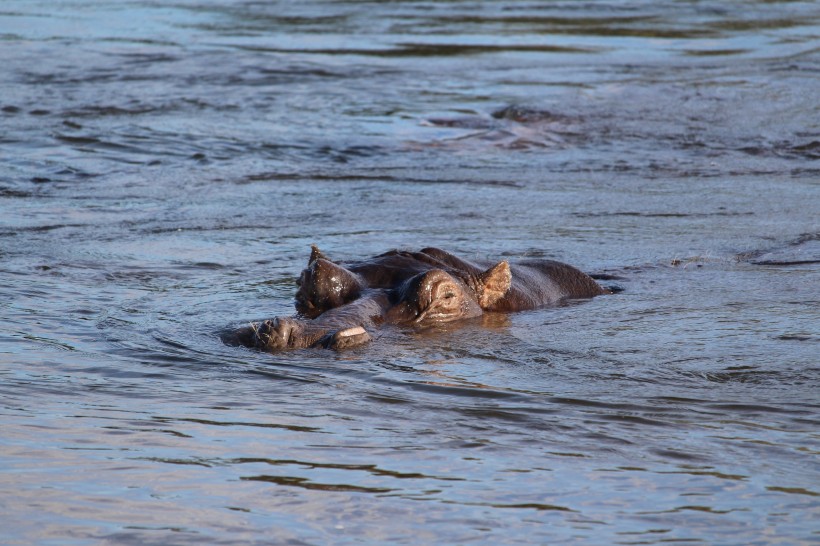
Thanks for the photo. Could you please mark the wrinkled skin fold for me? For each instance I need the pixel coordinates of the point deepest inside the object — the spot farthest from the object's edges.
(340, 304)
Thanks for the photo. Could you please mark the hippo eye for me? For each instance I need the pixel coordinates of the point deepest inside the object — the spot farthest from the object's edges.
(449, 295)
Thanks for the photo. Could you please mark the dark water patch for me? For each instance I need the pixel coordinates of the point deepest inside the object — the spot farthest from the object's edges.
(77, 173)
(89, 142)
(156, 535)
(210, 422)
(716, 52)
(72, 139)
(798, 337)
(306, 483)
(183, 462)
(757, 409)
(210, 266)
(527, 114)
(168, 343)
(810, 150)
(635, 420)
(139, 41)
(793, 490)
(114, 373)
(366, 177)
(695, 508)
(787, 263)
(596, 404)
(140, 58)
(12, 193)
(752, 377)
(38, 228)
(601, 438)
(580, 24)
(247, 19)
(662, 214)
(803, 250)
(371, 469)
(307, 72)
(787, 149)
(422, 50)
(96, 76)
(96, 111)
(701, 471)
(758, 24)
(496, 414)
(533, 17)
(343, 155)
(512, 127)
(265, 78)
(680, 455)
(449, 390)
(474, 122)
(805, 172)
(272, 374)
(391, 399)
(139, 275)
(51, 342)
(140, 428)
(520, 506)
(220, 225)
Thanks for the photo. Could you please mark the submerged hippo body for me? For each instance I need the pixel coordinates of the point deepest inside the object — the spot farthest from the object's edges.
(339, 303)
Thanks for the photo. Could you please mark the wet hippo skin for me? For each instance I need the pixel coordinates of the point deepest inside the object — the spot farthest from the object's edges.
(339, 303)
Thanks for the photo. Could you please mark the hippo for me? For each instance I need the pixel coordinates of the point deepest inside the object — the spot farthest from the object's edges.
(339, 303)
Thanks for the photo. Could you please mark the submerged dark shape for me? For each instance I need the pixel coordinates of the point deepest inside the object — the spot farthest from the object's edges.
(340, 303)
(512, 127)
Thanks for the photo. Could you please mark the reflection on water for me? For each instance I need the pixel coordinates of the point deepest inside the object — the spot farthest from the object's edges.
(166, 168)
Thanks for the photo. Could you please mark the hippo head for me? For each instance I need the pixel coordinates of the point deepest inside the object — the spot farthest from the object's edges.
(438, 296)
(324, 285)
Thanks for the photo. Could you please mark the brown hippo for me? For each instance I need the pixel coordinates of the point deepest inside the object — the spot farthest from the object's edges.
(501, 286)
(340, 302)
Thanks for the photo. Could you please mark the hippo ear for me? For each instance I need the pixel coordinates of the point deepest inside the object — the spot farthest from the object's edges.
(493, 284)
(334, 283)
(323, 269)
(315, 254)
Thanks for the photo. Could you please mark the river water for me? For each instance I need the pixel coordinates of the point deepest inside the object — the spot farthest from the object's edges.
(166, 166)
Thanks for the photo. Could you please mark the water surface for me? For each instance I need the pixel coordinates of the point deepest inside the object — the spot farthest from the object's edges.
(166, 167)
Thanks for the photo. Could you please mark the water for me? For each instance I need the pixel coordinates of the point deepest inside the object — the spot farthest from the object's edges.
(165, 168)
